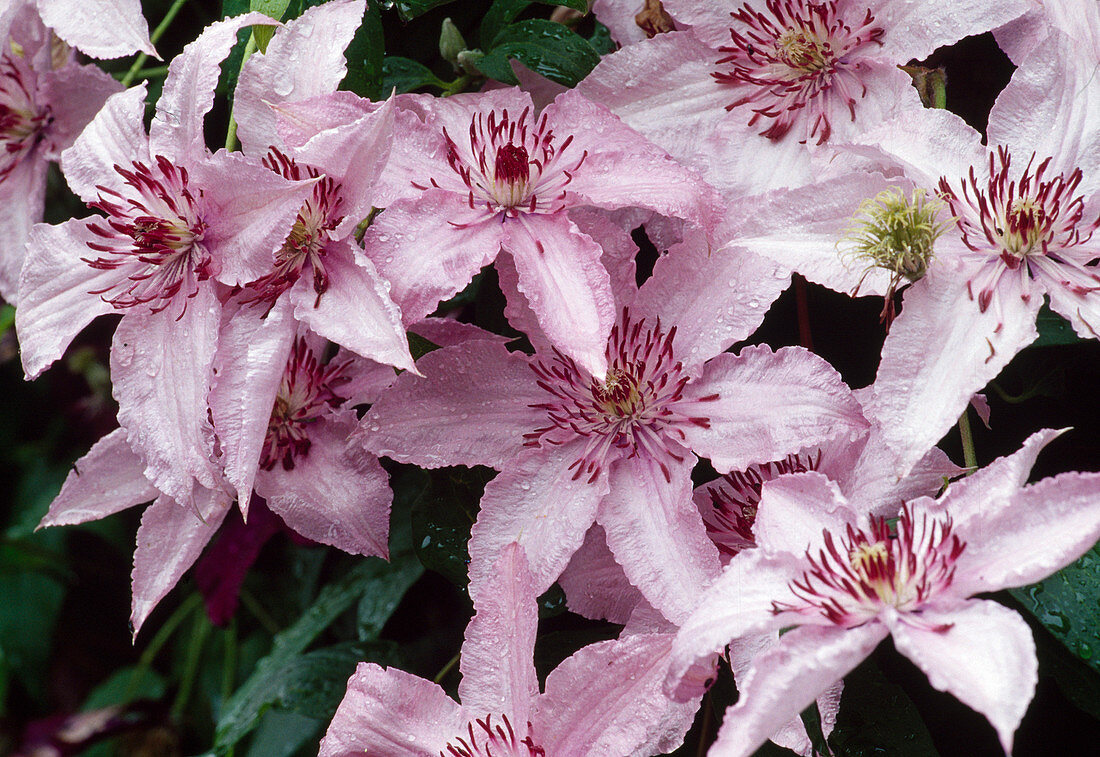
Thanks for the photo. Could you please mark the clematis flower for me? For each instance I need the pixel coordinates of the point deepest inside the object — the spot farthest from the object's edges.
(778, 75)
(618, 448)
(1079, 21)
(503, 713)
(494, 174)
(844, 580)
(306, 477)
(1025, 213)
(46, 98)
(176, 221)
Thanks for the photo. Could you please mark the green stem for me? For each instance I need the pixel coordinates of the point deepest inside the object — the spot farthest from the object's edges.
(446, 669)
(229, 663)
(145, 662)
(704, 727)
(969, 457)
(154, 38)
(199, 633)
(231, 133)
(147, 73)
(262, 615)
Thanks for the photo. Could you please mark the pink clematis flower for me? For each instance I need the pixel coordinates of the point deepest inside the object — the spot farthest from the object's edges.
(1079, 21)
(1026, 211)
(618, 448)
(176, 221)
(503, 713)
(773, 76)
(46, 98)
(495, 174)
(844, 580)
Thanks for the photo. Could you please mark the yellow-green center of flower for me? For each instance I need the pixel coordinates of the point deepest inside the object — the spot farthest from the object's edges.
(803, 50)
(896, 232)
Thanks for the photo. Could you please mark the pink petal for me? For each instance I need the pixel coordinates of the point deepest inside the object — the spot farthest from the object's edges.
(985, 659)
(54, 293)
(77, 94)
(566, 286)
(738, 603)
(22, 197)
(930, 143)
(391, 712)
(161, 369)
(355, 310)
(105, 481)
(320, 36)
(623, 168)
(516, 307)
(1052, 107)
(170, 539)
(805, 229)
(583, 712)
(471, 407)
(595, 585)
(990, 489)
(1064, 285)
(662, 88)
(916, 30)
(253, 210)
(769, 405)
(794, 510)
(618, 17)
(298, 122)
(619, 248)
(923, 384)
(99, 28)
(425, 258)
(714, 298)
(1040, 530)
(189, 89)
(355, 155)
(498, 674)
(253, 349)
(787, 678)
(536, 502)
(115, 137)
(742, 654)
(656, 534)
(336, 494)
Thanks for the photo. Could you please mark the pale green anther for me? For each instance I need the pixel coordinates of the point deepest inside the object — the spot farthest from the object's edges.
(896, 232)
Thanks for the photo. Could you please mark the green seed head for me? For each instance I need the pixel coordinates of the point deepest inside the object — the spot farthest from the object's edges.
(896, 232)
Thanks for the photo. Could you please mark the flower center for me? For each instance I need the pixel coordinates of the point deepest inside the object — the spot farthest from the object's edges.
(1020, 221)
(638, 408)
(305, 245)
(513, 165)
(730, 513)
(21, 120)
(483, 738)
(309, 389)
(793, 60)
(152, 235)
(851, 582)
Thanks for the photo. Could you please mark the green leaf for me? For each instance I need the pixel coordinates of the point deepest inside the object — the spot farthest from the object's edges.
(876, 718)
(410, 9)
(266, 685)
(29, 603)
(124, 686)
(365, 57)
(1053, 329)
(601, 40)
(442, 516)
(273, 9)
(376, 607)
(545, 47)
(407, 75)
(503, 12)
(282, 733)
(1068, 605)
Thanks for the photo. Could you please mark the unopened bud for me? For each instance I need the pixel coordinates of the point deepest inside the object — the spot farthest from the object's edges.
(451, 42)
